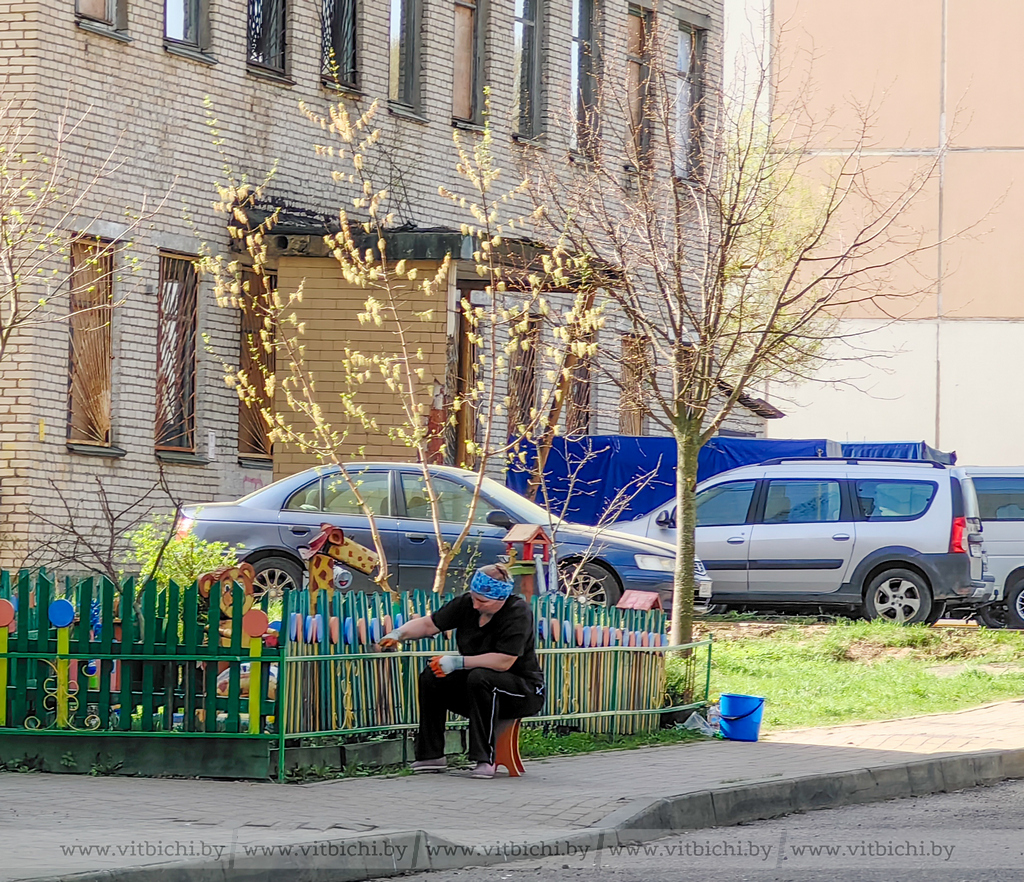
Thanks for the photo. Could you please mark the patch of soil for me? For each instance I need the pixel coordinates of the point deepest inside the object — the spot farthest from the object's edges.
(751, 630)
(870, 652)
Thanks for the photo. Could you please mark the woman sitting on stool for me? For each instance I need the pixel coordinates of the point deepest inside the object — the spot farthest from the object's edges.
(495, 677)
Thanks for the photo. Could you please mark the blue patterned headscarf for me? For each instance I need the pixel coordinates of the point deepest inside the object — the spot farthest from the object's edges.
(489, 587)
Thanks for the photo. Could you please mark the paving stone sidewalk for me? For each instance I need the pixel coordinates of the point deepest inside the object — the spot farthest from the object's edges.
(46, 821)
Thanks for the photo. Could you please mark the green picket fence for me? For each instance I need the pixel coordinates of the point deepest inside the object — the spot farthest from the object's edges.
(98, 658)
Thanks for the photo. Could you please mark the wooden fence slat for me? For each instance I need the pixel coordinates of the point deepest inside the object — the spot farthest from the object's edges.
(125, 697)
(148, 626)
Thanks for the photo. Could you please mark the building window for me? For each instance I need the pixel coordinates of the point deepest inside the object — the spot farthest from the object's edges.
(113, 13)
(90, 351)
(467, 91)
(404, 80)
(338, 41)
(583, 75)
(689, 99)
(177, 304)
(635, 372)
(522, 378)
(257, 361)
(185, 22)
(526, 69)
(579, 409)
(640, 25)
(267, 34)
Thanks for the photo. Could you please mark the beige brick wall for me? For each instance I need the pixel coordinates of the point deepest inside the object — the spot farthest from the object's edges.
(145, 108)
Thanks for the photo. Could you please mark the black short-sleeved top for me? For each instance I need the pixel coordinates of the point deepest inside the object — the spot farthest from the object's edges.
(510, 632)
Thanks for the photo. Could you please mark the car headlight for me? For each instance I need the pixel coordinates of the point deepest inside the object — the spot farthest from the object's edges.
(655, 562)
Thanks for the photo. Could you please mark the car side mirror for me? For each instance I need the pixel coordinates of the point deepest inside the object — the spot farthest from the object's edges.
(498, 518)
(666, 519)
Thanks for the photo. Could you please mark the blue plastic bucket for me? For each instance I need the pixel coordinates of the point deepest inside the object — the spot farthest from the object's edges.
(741, 716)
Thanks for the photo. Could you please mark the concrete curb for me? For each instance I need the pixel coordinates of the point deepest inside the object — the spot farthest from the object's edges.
(379, 856)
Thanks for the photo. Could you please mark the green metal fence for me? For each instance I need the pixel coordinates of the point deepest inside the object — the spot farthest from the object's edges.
(94, 658)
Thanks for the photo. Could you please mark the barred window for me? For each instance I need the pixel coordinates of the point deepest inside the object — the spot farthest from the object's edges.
(526, 68)
(522, 380)
(257, 361)
(267, 34)
(578, 416)
(90, 351)
(177, 329)
(338, 41)
(635, 370)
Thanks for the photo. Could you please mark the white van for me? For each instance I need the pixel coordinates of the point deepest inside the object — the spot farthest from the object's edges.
(1000, 491)
(885, 539)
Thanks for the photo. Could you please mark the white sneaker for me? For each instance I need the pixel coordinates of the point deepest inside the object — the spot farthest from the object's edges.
(431, 765)
(483, 770)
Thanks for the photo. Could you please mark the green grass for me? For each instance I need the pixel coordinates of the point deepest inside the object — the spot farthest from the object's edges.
(860, 671)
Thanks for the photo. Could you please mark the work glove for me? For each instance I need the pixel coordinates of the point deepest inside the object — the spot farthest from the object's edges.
(443, 665)
(390, 640)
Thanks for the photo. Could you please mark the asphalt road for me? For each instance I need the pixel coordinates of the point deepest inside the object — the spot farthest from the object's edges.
(972, 836)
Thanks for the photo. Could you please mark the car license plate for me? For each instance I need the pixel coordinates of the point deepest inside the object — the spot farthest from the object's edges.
(704, 590)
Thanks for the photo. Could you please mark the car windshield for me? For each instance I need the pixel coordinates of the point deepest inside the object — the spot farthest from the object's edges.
(518, 506)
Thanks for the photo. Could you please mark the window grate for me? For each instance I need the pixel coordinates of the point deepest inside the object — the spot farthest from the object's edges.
(338, 41)
(526, 68)
(177, 329)
(257, 360)
(90, 349)
(267, 33)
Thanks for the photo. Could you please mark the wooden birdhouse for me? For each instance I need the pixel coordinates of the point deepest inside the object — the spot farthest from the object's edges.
(533, 540)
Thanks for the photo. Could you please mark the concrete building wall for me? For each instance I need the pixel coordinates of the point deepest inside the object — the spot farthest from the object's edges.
(933, 74)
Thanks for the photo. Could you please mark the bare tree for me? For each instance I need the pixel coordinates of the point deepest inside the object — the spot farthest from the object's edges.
(726, 242)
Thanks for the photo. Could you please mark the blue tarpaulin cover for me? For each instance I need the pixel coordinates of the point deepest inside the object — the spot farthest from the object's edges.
(584, 476)
(898, 450)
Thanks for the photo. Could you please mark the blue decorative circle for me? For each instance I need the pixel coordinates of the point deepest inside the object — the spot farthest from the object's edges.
(61, 613)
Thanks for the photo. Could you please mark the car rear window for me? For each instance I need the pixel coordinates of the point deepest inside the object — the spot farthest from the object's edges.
(1000, 499)
(893, 500)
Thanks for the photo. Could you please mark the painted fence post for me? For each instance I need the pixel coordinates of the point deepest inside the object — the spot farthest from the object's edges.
(6, 618)
(254, 625)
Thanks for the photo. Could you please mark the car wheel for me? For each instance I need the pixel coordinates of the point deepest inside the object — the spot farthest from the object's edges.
(1015, 606)
(588, 583)
(993, 615)
(900, 596)
(275, 575)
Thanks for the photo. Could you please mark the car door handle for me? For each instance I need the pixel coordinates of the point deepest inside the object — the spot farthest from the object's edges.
(301, 531)
(416, 537)
(736, 540)
(841, 537)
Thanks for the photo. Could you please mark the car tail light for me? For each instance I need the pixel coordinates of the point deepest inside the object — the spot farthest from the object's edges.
(182, 528)
(958, 537)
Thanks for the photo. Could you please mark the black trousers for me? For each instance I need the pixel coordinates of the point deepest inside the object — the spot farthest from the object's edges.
(482, 695)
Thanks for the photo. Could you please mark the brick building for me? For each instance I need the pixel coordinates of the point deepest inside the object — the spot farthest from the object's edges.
(177, 90)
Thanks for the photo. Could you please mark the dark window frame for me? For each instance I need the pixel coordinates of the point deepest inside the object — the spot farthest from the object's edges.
(635, 361)
(585, 68)
(176, 373)
(639, 65)
(528, 17)
(479, 49)
(523, 375)
(404, 60)
(114, 18)
(267, 36)
(339, 51)
(688, 160)
(200, 39)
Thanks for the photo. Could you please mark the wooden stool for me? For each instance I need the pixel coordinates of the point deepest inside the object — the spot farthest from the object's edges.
(506, 750)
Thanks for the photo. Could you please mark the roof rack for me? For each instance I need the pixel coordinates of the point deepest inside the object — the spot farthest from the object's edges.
(853, 460)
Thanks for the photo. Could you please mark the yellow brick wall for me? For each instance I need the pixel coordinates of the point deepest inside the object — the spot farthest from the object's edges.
(330, 308)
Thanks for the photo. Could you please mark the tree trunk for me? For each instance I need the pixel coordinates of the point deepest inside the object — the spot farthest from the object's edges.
(687, 437)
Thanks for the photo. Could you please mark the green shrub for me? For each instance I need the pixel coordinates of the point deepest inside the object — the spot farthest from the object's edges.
(183, 559)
